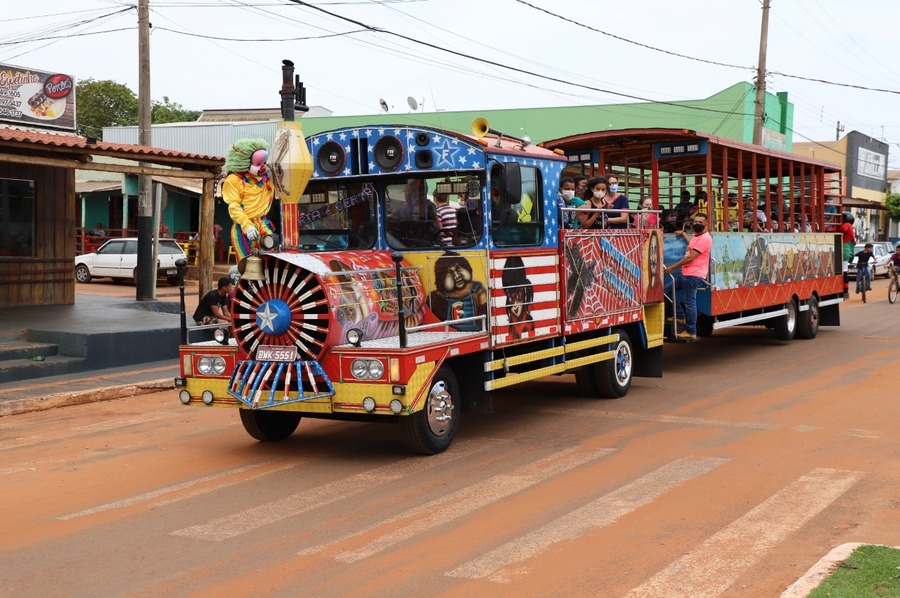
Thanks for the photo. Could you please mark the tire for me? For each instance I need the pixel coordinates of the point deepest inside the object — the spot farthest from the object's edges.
(613, 376)
(893, 291)
(431, 430)
(786, 325)
(82, 274)
(808, 325)
(269, 426)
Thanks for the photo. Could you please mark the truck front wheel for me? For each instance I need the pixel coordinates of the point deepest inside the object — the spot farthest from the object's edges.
(430, 430)
(269, 426)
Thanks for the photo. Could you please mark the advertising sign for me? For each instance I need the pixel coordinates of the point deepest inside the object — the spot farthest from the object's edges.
(37, 99)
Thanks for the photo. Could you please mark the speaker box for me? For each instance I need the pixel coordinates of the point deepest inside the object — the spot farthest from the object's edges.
(424, 159)
(331, 158)
(388, 153)
(422, 139)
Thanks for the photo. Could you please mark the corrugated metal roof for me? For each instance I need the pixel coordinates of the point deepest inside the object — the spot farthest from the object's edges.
(211, 138)
(75, 142)
(97, 186)
(191, 185)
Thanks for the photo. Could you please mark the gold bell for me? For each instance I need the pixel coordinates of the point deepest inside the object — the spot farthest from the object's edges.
(254, 268)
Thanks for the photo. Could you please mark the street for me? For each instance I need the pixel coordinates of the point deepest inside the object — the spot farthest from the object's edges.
(730, 476)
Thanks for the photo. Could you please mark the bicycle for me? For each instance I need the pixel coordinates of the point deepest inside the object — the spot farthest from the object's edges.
(863, 275)
(894, 288)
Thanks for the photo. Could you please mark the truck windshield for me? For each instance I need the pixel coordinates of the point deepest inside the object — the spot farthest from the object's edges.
(338, 215)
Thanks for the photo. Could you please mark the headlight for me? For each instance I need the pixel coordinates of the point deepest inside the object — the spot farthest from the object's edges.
(376, 369)
(221, 335)
(369, 404)
(207, 397)
(367, 369)
(185, 397)
(211, 365)
(354, 336)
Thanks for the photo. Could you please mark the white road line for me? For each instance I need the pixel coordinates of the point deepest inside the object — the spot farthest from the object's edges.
(438, 512)
(664, 419)
(598, 513)
(274, 511)
(134, 500)
(712, 567)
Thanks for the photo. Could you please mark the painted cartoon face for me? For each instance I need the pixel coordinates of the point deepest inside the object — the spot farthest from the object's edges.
(653, 257)
(515, 300)
(456, 278)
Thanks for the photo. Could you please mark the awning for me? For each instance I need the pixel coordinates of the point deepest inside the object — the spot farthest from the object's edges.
(853, 202)
(194, 186)
(97, 186)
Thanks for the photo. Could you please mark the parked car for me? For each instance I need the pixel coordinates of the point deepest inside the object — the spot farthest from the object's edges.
(888, 246)
(117, 259)
(880, 265)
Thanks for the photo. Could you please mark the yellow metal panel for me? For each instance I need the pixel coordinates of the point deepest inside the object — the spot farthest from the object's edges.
(511, 379)
(498, 364)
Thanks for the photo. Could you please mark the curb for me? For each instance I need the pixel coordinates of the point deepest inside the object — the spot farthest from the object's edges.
(65, 399)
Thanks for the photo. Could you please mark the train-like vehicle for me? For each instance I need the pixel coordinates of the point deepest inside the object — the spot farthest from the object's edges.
(370, 310)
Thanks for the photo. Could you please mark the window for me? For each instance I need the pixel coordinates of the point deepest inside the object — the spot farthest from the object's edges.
(521, 224)
(17, 218)
(337, 215)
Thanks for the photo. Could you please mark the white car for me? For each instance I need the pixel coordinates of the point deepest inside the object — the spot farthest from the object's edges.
(878, 266)
(117, 259)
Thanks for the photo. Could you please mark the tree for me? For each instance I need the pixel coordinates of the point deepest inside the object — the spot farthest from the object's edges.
(110, 104)
(172, 112)
(104, 104)
(892, 202)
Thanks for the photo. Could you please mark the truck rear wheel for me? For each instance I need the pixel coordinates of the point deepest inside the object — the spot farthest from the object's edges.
(609, 379)
(786, 325)
(808, 326)
(269, 426)
(430, 430)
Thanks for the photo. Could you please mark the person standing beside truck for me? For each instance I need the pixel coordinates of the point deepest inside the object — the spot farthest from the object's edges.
(694, 272)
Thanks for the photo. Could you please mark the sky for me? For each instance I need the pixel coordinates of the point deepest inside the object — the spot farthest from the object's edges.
(836, 64)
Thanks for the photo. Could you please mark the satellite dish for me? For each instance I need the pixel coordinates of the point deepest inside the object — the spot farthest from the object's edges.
(413, 104)
(384, 105)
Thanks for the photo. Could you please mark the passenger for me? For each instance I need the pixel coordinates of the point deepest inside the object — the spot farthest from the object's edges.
(447, 219)
(683, 209)
(670, 221)
(468, 218)
(694, 271)
(616, 200)
(594, 199)
(565, 198)
(648, 220)
(581, 182)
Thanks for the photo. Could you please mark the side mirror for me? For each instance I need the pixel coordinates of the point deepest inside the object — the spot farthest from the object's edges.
(511, 182)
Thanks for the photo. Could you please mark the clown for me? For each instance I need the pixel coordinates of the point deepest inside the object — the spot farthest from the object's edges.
(248, 191)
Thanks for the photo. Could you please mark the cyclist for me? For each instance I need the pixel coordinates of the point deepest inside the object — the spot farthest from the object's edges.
(895, 261)
(863, 276)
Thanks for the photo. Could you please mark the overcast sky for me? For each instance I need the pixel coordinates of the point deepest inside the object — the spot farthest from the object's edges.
(613, 52)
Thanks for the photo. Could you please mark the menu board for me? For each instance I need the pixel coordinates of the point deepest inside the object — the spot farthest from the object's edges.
(37, 99)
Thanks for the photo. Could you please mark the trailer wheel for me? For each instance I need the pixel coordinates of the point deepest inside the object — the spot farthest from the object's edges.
(786, 325)
(613, 377)
(269, 426)
(430, 430)
(808, 326)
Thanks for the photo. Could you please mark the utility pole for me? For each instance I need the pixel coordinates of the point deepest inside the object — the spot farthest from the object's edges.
(838, 131)
(761, 77)
(145, 277)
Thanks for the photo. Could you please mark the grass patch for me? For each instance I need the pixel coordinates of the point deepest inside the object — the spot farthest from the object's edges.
(871, 571)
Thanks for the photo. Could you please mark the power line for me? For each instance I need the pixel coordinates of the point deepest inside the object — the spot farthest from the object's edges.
(282, 39)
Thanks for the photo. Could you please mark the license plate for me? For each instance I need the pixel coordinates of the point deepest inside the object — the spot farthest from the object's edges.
(276, 353)
(171, 272)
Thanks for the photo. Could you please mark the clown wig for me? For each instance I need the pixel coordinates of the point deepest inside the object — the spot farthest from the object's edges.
(238, 157)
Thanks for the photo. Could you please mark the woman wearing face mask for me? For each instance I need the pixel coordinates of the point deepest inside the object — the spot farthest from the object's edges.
(648, 220)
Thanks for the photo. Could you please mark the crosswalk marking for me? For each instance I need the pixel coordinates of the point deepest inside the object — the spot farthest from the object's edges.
(247, 520)
(464, 501)
(598, 513)
(719, 561)
(663, 419)
(134, 500)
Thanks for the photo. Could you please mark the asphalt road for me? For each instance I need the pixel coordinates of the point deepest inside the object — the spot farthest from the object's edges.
(731, 476)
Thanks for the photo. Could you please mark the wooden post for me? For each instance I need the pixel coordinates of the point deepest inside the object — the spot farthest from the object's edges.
(207, 242)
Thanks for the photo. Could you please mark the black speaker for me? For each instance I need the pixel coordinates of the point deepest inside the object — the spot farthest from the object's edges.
(388, 153)
(424, 159)
(331, 158)
(422, 139)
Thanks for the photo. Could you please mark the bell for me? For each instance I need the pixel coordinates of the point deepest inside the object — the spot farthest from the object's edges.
(254, 268)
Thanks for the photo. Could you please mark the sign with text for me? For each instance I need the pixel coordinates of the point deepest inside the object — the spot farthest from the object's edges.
(37, 99)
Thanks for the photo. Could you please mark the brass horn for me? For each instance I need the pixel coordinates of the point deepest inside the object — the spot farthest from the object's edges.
(481, 127)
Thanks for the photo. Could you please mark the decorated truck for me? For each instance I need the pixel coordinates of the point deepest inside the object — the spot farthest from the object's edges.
(420, 271)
